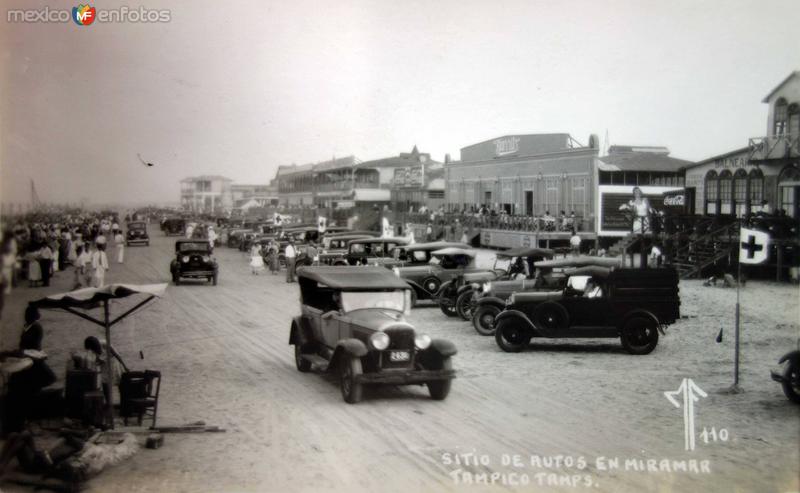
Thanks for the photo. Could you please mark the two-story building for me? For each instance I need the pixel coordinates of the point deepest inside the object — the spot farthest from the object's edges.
(206, 193)
(524, 175)
(763, 175)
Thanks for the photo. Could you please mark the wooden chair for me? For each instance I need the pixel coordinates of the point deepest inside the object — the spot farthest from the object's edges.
(139, 395)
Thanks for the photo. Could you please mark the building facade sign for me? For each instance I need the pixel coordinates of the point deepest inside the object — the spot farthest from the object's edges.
(410, 177)
(506, 146)
(615, 222)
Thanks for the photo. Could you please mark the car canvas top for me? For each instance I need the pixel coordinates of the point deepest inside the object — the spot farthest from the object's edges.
(436, 245)
(353, 278)
(526, 252)
(581, 261)
(445, 252)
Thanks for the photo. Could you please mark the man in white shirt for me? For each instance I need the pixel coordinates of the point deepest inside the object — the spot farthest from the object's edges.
(99, 263)
(290, 254)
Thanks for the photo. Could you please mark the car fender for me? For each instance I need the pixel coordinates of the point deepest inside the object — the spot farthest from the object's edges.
(517, 316)
(352, 348)
(416, 287)
(301, 332)
(466, 287)
(793, 356)
(643, 312)
(492, 300)
(438, 350)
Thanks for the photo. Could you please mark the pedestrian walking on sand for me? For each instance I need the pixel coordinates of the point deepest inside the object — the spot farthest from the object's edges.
(272, 257)
(290, 254)
(256, 261)
(119, 241)
(99, 263)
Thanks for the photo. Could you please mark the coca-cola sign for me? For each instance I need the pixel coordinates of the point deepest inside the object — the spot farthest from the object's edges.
(675, 200)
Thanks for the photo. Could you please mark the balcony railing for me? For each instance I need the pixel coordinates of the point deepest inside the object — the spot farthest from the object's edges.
(774, 147)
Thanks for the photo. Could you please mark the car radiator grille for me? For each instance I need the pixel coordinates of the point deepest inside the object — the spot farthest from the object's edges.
(400, 341)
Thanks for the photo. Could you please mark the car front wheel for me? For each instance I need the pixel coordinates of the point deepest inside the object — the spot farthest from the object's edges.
(214, 280)
(439, 389)
(448, 308)
(302, 364)
(352, 390)
(483, 320)
(791, 382)
(511, 338)
(639, 335)
(465, 304)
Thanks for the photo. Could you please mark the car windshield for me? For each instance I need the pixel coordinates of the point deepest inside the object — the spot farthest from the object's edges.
(392, 300)
(194, 246)
(136, 226)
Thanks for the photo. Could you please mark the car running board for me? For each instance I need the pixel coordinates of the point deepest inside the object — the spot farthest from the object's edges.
(316, 360)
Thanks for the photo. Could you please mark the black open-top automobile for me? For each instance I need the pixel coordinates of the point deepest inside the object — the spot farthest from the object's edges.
(632, 304)
(353, 323)
(137, 233)
(174, 226)
(193, 260)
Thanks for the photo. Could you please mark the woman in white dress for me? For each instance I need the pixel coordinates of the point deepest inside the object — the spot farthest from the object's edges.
(641, 211)
(256, 260)
(99, 264)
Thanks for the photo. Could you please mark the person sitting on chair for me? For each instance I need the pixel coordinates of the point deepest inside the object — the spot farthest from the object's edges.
(94, 358)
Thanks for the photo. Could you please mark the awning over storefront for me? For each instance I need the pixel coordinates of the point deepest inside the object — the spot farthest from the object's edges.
(372, 195)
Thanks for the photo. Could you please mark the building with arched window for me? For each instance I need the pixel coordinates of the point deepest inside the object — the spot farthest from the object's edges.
(765, 175)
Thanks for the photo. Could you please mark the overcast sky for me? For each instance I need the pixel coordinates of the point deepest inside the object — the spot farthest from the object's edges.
(238, 88)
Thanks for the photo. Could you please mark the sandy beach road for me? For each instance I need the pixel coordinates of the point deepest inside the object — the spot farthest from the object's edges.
(224, 355)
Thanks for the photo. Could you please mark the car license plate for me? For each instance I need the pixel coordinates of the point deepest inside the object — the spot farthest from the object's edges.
(399, 356)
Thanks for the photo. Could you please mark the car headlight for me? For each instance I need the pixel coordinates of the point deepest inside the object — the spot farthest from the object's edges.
(379, 340)
(185, 259)
(487, 286)
(396, 271)
(206, 258)
(422, 341)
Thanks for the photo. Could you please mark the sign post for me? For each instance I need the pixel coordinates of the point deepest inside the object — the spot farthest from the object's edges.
(752, 250)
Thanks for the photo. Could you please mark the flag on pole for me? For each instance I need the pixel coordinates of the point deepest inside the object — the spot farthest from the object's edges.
(753, 246)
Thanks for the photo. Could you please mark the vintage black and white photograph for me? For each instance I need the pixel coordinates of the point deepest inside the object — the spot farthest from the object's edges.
(375, 246)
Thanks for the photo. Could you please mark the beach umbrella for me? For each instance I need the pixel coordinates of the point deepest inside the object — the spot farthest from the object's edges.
(81, 301)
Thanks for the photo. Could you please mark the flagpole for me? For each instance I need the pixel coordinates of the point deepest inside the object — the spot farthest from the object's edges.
(737, 316)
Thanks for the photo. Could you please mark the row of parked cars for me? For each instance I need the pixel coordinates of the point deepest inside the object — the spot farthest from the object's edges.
(353, 315)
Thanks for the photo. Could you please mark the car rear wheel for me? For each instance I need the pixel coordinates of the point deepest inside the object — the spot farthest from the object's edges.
(510, 337)
(483, 320)
(465, 304)
(639, 335)
(303, 365)
(351, 389)
(439, 389)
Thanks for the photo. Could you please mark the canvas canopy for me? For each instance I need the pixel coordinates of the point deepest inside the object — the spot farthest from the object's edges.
(362, 278)
(581, 261)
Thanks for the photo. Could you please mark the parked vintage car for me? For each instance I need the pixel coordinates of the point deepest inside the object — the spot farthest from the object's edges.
(490, 298)
(334, 250)
(234, 237)
(426, 280)
(447, 295)
(137, 233)
(328, 237)
(174, 226)
(632, 304)
(419, 253)
(193, 260)
(371, 251)
(789, 374)
(352, 322)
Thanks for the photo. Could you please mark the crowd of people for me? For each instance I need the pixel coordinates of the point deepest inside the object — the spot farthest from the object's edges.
(37, 247)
